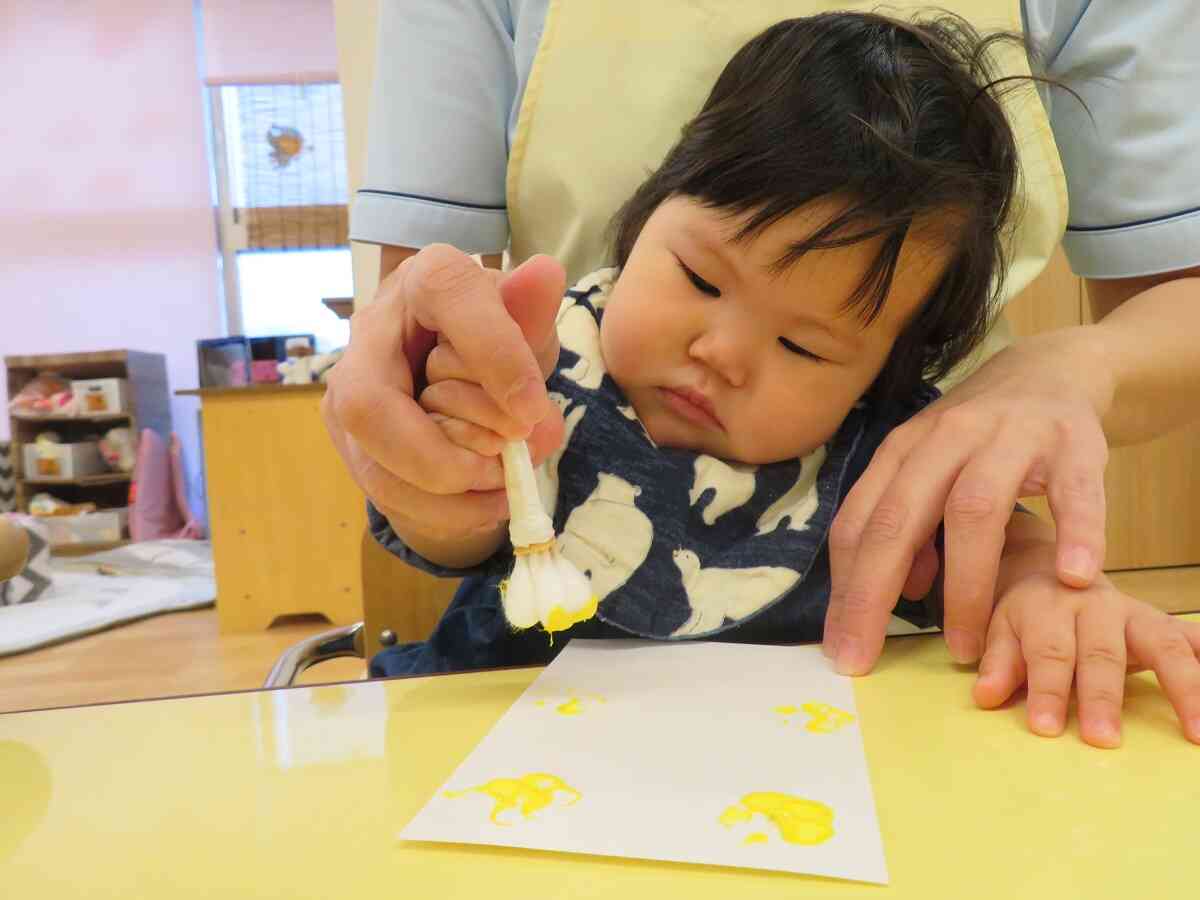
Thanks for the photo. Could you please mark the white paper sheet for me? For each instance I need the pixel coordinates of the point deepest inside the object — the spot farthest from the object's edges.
(695, 753)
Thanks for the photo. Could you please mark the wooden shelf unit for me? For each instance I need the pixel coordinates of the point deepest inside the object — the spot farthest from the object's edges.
(149, 407)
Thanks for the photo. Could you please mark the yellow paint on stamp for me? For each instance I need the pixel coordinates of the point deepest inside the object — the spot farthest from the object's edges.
(529, 794)
(799, 821)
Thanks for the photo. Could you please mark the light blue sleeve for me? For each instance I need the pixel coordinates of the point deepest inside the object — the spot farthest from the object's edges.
(1132, 158)
(445, 90)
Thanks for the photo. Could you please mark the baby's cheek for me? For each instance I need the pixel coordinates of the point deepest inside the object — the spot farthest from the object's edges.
(621, 344)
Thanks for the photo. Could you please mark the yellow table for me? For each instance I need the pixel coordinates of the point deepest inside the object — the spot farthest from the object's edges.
(300, 792)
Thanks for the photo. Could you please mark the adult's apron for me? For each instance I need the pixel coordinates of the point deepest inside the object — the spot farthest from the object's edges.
(609, 93)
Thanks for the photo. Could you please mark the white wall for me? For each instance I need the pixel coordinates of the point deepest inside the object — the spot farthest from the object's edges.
(107, 235)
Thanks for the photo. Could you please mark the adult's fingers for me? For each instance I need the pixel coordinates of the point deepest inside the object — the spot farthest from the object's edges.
(532, 294)
(398, 436)
(845, 534)
(449, 515)
(1100, 672)
(1075, 491)
(470, 436)
(469, 402)
(452, 295)
(1159, 642)
(1048, 643)
(978, 508)
(905, 516)
(846, 531)
(923, 573)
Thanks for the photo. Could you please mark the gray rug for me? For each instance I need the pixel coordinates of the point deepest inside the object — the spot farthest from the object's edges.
(91, 593)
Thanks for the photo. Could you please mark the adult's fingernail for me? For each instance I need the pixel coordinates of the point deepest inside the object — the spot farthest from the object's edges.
(1079, 563)
(526, 400)
(851, 657)
(964, 646)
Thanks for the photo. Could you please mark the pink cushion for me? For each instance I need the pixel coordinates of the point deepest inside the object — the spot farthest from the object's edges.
(153, 513)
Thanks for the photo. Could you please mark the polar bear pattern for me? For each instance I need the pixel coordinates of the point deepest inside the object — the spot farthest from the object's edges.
(607, 537)
(800, 503)
(579, 332)
(546, 475)
(733, 485)
(719, 594)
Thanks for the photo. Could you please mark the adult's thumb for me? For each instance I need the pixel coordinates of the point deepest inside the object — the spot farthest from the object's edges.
(532, 294)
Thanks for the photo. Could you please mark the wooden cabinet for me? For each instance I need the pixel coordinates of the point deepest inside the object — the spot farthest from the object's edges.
(149, 406)
(1153, 490)
(288, 522)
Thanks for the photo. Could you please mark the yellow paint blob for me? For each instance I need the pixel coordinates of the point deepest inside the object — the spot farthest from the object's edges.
(799, 821)
(561, 619)
(574, 706)
(786, 710)
(757, 838)
(826, 719)
(529, 794)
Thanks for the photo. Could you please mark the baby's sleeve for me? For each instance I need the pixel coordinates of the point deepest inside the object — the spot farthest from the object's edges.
(1132, 157)
(437, 145)
(499, 563)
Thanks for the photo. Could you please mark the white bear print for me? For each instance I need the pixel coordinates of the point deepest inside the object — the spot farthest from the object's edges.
(718, 594)
(799, 503)
(607, 536)
(733, 482)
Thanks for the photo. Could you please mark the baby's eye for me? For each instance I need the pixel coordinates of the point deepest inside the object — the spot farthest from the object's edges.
(701, 285)
(798, 350)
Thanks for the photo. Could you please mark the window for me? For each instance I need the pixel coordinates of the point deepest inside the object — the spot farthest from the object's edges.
(280, 155)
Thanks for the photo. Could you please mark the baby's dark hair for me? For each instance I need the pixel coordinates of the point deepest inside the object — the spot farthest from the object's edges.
(900, 123)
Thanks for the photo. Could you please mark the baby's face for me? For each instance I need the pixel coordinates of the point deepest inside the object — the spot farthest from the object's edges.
(718, 355)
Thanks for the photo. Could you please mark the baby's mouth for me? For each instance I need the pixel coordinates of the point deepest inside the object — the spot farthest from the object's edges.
(692, 406)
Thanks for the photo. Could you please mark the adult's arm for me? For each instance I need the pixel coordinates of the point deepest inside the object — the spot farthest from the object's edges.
(1039, 417)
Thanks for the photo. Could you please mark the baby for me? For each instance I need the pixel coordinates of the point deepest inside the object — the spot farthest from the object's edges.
(825, 240)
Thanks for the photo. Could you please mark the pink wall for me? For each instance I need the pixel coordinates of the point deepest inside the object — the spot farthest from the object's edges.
(260, 40)
(107, 233)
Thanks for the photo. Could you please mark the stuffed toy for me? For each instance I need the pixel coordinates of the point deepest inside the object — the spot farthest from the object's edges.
(307, 369)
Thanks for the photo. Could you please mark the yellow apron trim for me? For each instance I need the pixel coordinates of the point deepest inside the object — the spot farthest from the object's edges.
(529, 102)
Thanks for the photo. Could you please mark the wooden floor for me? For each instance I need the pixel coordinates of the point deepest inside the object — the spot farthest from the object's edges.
(182, 653)
(167, 655)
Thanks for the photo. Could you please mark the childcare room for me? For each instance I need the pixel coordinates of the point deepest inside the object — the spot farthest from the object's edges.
(600, 449)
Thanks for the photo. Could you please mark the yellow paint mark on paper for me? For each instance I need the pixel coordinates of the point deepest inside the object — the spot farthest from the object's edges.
(528, 794)
(825, 719)
(572, 707)
(574, 704)
(799, 821)
(757, 837)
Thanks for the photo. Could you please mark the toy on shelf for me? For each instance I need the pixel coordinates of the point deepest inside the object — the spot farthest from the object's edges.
(47, 394)
(118, 449)
(47, 505)
(307, 369)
